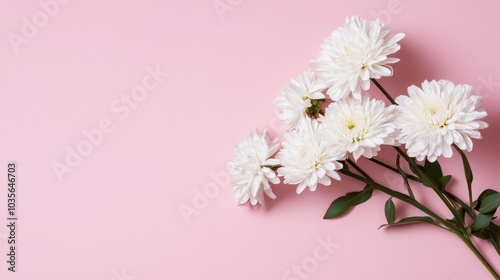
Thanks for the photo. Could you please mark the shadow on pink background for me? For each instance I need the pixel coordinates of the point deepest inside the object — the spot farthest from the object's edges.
(119, 211)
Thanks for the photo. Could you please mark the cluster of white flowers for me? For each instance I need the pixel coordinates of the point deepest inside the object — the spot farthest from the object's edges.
(322, 132)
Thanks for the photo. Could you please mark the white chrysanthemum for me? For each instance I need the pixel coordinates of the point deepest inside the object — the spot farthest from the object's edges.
(359, 126)
(436, 116)
(296, 98)
(251, 168)
(307, 161)
(354, 54)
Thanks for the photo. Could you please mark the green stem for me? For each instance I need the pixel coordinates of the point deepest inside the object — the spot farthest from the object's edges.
(468, 208)
(447, 198)
(425, 177)
(385, 165)
(402, 197)
(473, 215)
(382, 89)
(405, 177)
(461, 203)
(494, 242)
(467, 178)
(478, 254)
(358, 168)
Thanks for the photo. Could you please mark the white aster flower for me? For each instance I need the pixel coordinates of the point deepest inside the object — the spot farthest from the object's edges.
(307, 161)
(354, 54)
(359, 126)
(251, 168)
(295, 99)
(436, 116)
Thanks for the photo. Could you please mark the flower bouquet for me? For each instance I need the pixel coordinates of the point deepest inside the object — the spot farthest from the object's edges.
(332, 124)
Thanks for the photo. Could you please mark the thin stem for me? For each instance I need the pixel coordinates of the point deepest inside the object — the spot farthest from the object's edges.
(383, 164)
(465, 238)
(421, 174)
(478, 254)
(461, 203)
(494, 242)
(405, 176)
(358, 168)
(433, 185)
(382, 89)
(468, 208)
(491, 238)
(466, 167)
(444, 197)
(402, 197)
(368, 177)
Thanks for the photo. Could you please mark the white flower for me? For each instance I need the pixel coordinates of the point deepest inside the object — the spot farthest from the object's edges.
(251, 168)
(440, 114)
(354, 54)
(359, 126)
(296, 98)
(307, 161)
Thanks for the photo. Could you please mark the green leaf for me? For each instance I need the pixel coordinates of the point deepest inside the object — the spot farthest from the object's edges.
(482, 196)
(412, 220)
(492, 232)
(490, 203)
(415, 171)
(467, 170)
(427, 181)
(443, 181)
(433, 169)
(494, 228)
(344, 203)
(390, 211)
(461, 216)
(481, 221)
(480, 234)
(421, 173)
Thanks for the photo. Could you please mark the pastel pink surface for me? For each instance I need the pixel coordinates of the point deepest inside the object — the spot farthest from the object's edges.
(117, 215)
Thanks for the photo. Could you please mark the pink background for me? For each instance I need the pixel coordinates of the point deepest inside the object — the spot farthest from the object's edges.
(117, 214)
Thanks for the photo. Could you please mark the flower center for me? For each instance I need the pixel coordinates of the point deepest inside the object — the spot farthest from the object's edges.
(436, 116)
(356, 128)
(431, 110)
(317, 165)
(305, 97)
(350, 124)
